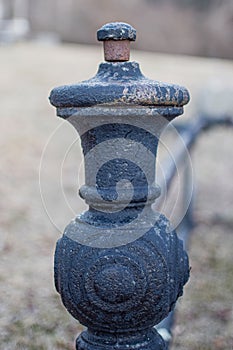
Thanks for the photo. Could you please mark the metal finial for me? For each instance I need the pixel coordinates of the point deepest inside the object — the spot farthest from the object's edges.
(116, 37)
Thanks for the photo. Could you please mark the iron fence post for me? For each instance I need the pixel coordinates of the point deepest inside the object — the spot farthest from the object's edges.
(119, 268)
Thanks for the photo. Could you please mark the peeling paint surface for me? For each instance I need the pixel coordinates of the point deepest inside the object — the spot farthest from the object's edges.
(119, 83)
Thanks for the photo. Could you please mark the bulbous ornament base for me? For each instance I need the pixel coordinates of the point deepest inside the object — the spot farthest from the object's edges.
(146, 340)
(120, 293)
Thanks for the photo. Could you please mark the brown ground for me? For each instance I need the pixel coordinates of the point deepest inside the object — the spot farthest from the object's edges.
(31, 314)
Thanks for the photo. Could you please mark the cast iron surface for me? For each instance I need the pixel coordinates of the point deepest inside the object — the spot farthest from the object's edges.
(119, 83)
(120, 267)
(122, 289)
(116, 31)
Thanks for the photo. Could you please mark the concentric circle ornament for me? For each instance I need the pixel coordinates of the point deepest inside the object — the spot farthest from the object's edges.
(115, 283)
(118, 285)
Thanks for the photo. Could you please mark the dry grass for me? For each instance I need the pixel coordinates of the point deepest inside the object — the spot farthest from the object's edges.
(31, 314)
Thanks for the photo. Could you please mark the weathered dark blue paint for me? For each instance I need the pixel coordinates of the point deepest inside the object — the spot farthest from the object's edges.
(94, 288)
(119, 83)
(116, 31)
(115, 130)
(122, 291)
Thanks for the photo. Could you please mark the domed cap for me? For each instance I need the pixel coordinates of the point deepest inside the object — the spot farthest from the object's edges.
(116, 31)
(120, 83)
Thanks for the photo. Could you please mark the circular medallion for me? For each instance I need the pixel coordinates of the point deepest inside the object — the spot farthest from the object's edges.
(115, 283)
(119, 288)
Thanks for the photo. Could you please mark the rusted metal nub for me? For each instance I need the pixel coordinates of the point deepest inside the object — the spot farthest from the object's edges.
(116, 50)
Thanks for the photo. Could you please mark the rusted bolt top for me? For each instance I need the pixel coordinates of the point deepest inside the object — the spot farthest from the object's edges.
(116, 37)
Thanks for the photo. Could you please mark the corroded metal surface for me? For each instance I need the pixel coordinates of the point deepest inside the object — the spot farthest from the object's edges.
(116, 50)
(119, 266)
(119, 83)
